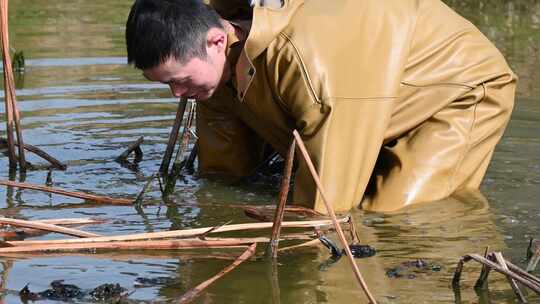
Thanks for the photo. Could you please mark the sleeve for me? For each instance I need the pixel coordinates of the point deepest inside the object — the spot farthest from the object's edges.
(226, 146)
(343, 135)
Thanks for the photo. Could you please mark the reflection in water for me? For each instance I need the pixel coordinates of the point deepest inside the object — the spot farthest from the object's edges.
(82, 103)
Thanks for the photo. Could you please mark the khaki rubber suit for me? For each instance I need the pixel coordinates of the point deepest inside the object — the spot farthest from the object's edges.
(398, 101)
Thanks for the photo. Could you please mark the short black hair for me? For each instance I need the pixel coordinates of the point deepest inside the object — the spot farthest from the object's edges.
(157, 30)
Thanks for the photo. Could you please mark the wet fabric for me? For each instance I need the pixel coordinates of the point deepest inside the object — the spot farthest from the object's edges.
(398, 102)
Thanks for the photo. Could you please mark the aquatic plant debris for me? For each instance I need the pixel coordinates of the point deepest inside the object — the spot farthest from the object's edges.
(495, 261)
(410, 269)
(68, 292)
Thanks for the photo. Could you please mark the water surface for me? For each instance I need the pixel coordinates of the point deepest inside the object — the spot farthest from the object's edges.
(81, 103)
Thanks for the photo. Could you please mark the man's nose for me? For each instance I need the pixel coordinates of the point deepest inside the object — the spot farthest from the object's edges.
(177, 90)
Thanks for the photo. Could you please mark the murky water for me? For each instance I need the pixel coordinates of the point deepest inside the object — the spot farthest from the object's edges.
(82, 104)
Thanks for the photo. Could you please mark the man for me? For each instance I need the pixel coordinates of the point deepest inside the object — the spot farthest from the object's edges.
(398, 101)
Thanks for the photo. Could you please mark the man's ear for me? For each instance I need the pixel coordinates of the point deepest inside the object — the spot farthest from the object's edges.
(216, 39)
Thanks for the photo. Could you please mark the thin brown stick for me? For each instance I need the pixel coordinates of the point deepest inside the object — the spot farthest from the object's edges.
(309, 243)
(179, 162)
(173, 136)
(330, 210)
(457, 274)
(523, 273)
(176, 233)
(271, 250)
(8, 82)
(484, 273)
(500, 259)
(203, 235)
(192, 156)
(526, 282)
(53, 161)
(46, 227)
(11, 87)
(533, 262)
(196, 291)
(354, 232)
(28, 232)
(72, 221)
(91, 197)
(136, 146)
(184, 139)
(264, 213)
(132, 245)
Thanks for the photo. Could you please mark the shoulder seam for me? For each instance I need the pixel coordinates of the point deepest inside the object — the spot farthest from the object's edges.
(303, 67)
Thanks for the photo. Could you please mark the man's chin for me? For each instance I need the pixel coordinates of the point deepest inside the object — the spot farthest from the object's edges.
(205, 96)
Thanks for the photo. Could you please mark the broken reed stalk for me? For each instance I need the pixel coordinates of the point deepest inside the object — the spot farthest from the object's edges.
(535, 256)
(90, 197)
(523, 273)
(28, 232)
(45, 227)
(132, 245)
(128, 255)
(500, 259)
(133, 147)
(173, 136)
(176, 233)
(530, 283)
(192, 155)
(309, 243)
(330, 210)
(196, 291)
(12, 113)
(272, 249)
(30, 148)
(354, 232)
(72, 221)
(184, 139)
(179, 163)
(484, 273)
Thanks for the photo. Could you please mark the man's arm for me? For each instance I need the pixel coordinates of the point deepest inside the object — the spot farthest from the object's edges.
(226, 145)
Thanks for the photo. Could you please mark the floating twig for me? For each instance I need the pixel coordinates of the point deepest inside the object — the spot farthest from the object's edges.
(46, 227)
(196, 291)
(179, 233)
(310, 243)
(27, 232)
(332, 214)
(39, 152)
(271, 250)
(132, 245)
(203, 235)
(173, 136)
(91, 197)
(134, 147)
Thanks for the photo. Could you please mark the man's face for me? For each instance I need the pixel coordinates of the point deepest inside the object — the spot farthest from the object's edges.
(197, 78)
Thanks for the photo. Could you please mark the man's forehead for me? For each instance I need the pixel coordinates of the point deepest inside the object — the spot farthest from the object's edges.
(165, 71)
